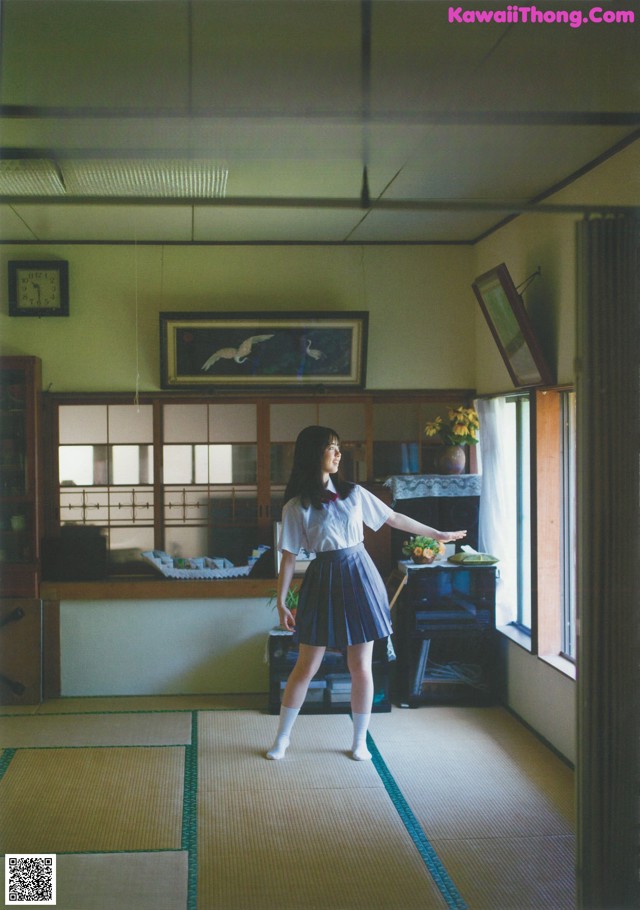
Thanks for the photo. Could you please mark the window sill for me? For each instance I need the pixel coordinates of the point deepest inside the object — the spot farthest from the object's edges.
(159, 589)
(564, 666)
(517, 636)
(520, 638)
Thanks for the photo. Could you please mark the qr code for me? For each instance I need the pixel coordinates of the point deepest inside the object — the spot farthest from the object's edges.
(30, 880)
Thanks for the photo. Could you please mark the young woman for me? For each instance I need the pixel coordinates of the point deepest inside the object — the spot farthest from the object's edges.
(342, 601)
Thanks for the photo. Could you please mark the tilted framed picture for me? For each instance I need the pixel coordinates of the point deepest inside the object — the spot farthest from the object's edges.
(512, 329)
(203, 350)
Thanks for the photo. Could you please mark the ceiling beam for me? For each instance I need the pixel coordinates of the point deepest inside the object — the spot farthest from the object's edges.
(404, 118)
(284, 202)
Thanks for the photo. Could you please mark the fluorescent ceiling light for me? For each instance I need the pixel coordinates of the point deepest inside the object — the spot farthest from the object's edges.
(112, 177)
(30, 177)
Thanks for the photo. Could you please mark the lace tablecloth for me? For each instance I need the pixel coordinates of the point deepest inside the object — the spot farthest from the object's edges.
(200, 567)
(417, 486)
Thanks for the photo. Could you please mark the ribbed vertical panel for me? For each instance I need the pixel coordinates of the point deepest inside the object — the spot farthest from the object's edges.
(608, 778)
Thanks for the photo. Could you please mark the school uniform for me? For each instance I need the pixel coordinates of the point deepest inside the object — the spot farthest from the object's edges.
(342, 599)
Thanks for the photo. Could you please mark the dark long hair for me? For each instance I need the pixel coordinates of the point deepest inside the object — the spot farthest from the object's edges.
(306, 474)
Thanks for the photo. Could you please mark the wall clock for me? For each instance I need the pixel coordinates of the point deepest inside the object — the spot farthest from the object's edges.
(39, 288)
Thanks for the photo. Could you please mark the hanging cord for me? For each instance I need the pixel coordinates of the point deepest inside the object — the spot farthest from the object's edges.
(136, 397)
(363, 273)
(527, 281)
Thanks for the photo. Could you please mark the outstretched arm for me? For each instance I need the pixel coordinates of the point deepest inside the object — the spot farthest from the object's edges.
(285, 576)
(411, 526)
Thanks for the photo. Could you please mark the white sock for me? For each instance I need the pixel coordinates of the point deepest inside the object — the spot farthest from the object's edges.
(287, 718)
(359, 749)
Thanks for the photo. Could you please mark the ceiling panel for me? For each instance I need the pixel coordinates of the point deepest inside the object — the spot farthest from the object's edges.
(57, 53)
(420, 63)
(271, 224)
(416, 227)
(497, 163)
(559, 68)
(286, 177)
(106, 222)
(12, 226)
(276, 57)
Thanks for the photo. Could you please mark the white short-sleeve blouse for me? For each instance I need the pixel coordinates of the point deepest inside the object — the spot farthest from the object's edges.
(336, 525)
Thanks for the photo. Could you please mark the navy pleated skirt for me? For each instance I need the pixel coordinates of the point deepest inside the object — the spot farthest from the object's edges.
(342, 600)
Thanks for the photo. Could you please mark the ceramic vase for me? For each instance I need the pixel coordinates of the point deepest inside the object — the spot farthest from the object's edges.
(452, 460)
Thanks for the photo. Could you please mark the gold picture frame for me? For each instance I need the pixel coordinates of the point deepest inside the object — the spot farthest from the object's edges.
(241, 350)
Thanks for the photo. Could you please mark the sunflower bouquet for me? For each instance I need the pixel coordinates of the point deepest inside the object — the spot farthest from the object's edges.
(423, 549)
(458, 428)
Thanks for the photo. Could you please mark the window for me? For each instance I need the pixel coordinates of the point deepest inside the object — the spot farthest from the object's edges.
(210, 479)
(505, 506)
(194, 476)
(517, 431)
(568, 523)
(105, 469)
(529, 520)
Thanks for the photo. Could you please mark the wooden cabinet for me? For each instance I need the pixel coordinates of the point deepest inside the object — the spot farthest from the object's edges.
(20, 499)
(445, 636)
(20, 652)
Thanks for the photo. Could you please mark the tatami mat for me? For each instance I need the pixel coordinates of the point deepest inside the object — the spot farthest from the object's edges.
(166, 729)
(475, 773)
(490, 808)
(530, 873)
(232, 748)
(107, 703)
(8, 710)
(295, 849)
(95, 800)
(316, 831)
(494, 802)
(120, 881)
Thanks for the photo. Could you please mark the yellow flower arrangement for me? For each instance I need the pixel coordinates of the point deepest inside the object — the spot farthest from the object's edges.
(459, 428)
(423, 549)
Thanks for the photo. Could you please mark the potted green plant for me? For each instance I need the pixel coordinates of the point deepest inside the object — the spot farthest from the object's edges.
(291, 600)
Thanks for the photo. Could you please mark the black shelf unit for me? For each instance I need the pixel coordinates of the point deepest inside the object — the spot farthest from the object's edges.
(330, 690)
(445, 637)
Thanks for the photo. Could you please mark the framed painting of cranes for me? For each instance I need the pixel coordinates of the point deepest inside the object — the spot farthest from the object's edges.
(289, 349)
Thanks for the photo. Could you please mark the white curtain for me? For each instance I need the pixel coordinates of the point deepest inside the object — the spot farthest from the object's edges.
(497, 505)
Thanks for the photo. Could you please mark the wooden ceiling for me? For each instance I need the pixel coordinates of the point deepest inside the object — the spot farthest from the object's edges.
(297, 121)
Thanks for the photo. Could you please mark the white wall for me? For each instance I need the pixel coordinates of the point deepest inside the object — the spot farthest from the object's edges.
(544, 697)
(421, 323)
(165, 647)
